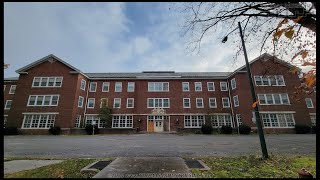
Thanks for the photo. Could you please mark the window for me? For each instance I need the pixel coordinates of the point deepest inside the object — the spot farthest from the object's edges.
(43, 100)
(105, 87)
(122, 121)
(5, 120)
(91, 118)
(38, 121)
(83, 84)
(223, 86)
(239, 120)
(313, 118)
(213, 102)
(276, 80)
(282, 120)
(93, 87)
(158, 86)
(233, 83)
(117, 103)
(78, 121)
(236, 101)
(91, 102)
(225, 102)
(130, 102)
(118, 87)
(198, 86)
(199, 102)
(185, 86)
(103, 102)
(273, 99)
(193, 121)
(158, 103)
(8, 104)
(12, 89)
(130, 86)
(80, 101)
(210, 86)
(47, 82)
(186, 103)
(309, 103)
(219, 120)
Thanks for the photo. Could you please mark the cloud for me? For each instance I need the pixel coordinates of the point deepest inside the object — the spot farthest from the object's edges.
(141, 44)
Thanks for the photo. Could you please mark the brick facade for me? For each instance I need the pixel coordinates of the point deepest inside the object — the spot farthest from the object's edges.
(67, 109)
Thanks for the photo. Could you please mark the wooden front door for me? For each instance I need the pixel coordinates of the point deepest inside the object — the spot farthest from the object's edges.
(150, 125)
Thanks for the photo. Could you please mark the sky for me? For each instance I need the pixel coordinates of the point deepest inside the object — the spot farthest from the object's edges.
(110, 37)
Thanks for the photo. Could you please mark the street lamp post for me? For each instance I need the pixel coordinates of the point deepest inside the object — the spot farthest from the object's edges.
(254, 99)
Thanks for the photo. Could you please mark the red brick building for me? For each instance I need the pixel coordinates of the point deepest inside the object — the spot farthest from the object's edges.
(51, 92)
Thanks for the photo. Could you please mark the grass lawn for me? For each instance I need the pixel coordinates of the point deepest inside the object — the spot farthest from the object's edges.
(220, 167)
(254, 167)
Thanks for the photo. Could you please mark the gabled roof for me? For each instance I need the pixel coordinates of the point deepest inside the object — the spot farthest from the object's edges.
(25, 68)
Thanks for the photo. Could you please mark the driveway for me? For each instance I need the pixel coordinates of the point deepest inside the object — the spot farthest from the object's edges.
(159, 145)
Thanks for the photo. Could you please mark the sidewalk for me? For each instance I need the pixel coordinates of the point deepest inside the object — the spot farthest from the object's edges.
(21, 165)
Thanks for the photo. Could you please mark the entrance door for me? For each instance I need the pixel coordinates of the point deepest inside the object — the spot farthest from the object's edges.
(150, 125)
(158, 126)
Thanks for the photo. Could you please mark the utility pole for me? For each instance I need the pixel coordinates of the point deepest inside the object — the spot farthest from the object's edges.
(253, 94)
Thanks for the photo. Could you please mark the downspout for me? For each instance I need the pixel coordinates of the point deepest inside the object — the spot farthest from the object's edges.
(85, 107)
(231, 104)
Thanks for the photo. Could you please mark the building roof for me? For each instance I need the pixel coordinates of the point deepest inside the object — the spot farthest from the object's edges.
(11, 79)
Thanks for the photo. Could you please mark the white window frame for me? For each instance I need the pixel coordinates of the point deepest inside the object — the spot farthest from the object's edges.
(127, 119)
(212, 86)
(239, 119)
(80, 97)
(233, 83)
(101, 100)
(83, 82)
(310, 100)
(273, 99)
(269, 80)
(77, 123)
(187, 86)
(15, 88)
(313, 120)
(216, 117)
(132, 102)
(90, 118)
(228, 102)
(114, 103)
(43, 100)
(184, 103)
(226, 85)
(95, 89)
(105, 84)
(195, 86)
(215, 102)
(94, 102)
(40, 115)
(161, 85)
(159, 99)
(5, 107)
(197, 118)
(133, 86)
(201, 103)
(115, 86)
(277, 116)
(47, 84)
(234, 101)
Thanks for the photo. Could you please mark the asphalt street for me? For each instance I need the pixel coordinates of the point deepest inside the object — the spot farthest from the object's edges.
(156, 145)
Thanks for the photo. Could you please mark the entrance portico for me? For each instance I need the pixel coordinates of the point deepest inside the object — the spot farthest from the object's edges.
(158, 121)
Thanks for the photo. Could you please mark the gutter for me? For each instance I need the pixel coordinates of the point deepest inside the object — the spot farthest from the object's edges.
(86, 99)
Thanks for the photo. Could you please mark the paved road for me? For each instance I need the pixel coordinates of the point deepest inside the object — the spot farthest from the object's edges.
(160, 145)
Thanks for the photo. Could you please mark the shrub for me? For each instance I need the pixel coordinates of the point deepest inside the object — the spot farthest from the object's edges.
(226, 129)
(55, 130)
(244, 129)
(89, 129)
(197, 132)
(302, 129)
(10, 131)
(206, 129)
(313, 129)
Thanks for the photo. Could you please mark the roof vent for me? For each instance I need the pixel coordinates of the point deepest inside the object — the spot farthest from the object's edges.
(157, 71)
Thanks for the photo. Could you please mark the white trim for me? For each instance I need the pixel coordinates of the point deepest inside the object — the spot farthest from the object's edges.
(43, 100)
(201, 103)
(269, 80)
(162, 85)
(190, 127)
(94, 102)
(235, 83)
(105, 84)
(310, 102)
(212, 85)
(11, 89)
(125, 122)
(85, 82)
(273, 100)
(161, 102)
(114, 103)
(95, 89)
(79, 100)
(40, 113)
(184, 103)
(279, 112)
(195, 86)
(234, 102)
(169, 114)
(223, 103)
(132, 103)
(313, 113)
(237, 118)
(47, 83)
(5, 107)
(115, 86)
(215, 100)
(188, 87)
(224, 82)
(129, 86)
